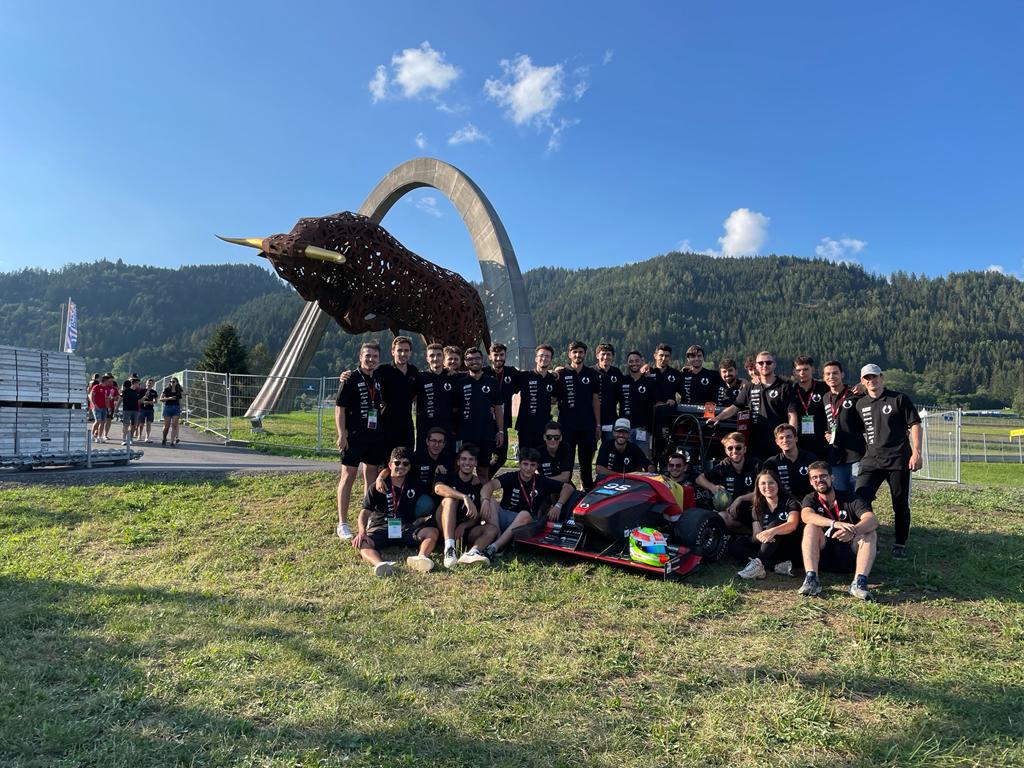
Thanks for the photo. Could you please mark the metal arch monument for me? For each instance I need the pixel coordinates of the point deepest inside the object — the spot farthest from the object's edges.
(504, 295)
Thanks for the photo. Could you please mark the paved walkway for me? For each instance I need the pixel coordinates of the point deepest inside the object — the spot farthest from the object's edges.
(197, 452)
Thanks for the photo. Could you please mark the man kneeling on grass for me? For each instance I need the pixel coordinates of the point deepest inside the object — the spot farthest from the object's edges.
(523, 495)
(388, 519)
(839, 534)
(460, 513)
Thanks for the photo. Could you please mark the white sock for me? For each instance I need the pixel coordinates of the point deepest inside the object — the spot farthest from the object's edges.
(449, 543)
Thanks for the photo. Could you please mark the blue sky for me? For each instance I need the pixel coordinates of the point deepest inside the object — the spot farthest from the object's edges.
(885, 133)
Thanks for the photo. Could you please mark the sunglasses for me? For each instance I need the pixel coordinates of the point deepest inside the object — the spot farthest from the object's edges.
(552, 437)
(765, 362)
(402, 463)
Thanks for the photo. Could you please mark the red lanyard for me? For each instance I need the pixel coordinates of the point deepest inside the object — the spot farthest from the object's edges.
(370, 391)
(825, 505)
(528, 497)
(799, 394)
(839, 404)
(395, 498)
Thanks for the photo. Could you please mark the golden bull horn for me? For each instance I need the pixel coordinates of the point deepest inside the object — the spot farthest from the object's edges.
(310, 251)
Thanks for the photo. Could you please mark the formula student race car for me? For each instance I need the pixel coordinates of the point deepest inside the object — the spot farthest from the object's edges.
(638, 520)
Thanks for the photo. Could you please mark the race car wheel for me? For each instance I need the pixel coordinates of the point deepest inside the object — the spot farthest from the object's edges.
(703, 532)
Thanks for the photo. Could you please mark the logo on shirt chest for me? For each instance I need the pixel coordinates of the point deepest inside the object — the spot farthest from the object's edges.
(773, 393)
(886, 409)
(447, 386)
(705, 381)
(816, 397)
(550, 388)
(848, 404)
(486, 388)
(585, 380)
(641, 389)
(410, 494)
(803, 471)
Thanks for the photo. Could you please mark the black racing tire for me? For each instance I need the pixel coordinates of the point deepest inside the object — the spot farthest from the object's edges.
(703, 532)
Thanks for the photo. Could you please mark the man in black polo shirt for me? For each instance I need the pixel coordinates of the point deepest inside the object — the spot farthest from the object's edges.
(453, 359)
(639, 393)
(435, 396)
(556, 461)
(791, 464)
(732, 385)
(398, 386)
(480, 410)
(620, 454)
(523, 494)
(388, 519)
(357, 419)
(536, 388)
(892, 432)
(839, 534)
(807, 407)
(579, 410)
(845, 436)
(735, 475)
(460, 512)
(768, 402)
(698, 385)
(609, 387)
(506, 376)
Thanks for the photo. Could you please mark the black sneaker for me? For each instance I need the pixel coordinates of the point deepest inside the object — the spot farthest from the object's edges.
(490, 551)
(811, 586)
(859, 588)
(899, 551)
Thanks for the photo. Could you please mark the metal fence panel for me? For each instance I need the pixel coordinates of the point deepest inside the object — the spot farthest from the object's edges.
(940, 446)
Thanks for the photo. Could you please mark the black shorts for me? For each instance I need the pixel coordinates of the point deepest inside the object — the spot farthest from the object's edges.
(838, 557)
(364, 450)
(411, 538)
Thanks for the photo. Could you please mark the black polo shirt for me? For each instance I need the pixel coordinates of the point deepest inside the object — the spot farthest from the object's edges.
(562, 461)
(358, 396)
(698, 388)
(424, 466)
(535, 392)
(793, 475)
(727, 395)
(847, 508)
(810, 403)
(575, 392)
(669, 383)
(736, 482)
(638, 398)
(844, 420)
(398, 390)
(520, 496)
(787, 506)
(476, 398)
(506, 379)
(435, 400)
(609, 390)
(769, 405)
(887, 420)
(394, 502)
(469, 487)
(633, 459)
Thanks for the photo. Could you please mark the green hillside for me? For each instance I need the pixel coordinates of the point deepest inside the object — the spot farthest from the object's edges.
(958, 338)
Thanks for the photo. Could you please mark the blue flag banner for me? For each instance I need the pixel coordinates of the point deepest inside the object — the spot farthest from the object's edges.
(71, 335)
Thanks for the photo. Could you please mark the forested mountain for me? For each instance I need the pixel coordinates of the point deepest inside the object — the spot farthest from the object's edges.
(958, 338)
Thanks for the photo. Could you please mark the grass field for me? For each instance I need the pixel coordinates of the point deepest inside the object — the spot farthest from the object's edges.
(220, 623)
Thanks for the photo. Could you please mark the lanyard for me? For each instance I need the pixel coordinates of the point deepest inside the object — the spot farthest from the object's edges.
(800, 396)
(396, 498)
(370, 391)
(528, 497)
(825, 505)
(838, 404)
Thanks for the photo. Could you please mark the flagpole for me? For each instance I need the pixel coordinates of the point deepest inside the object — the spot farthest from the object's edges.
(67, 327)
(60, 344)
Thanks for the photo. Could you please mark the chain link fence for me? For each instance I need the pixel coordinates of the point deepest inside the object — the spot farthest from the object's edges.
(302, 420)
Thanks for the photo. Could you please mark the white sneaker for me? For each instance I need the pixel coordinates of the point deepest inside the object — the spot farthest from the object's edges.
(473, 557)
(386, 568)
(449, 558)
(753, 570)
(344, 532)
(420, 563)
(785, 568)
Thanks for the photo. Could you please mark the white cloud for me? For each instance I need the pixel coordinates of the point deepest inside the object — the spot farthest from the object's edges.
(415, 72)
(745, 232)
(997, 268)
(428, 204)
(685, 246)
(421, 140)
(379, 84)
(529, 93)
(579, 89)
(555, 139)
(467, 134)
(842, 250)
(608, 55)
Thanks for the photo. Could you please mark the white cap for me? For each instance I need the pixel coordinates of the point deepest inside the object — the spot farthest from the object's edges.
(621, 424)
(869, 370)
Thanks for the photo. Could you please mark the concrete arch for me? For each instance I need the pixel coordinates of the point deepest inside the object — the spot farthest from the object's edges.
(504, 294)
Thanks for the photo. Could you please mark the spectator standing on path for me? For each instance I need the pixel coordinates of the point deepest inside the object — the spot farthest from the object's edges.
(98, 401)
(892, 434)
(131, 396)
(147, 406)
(113, 396)
(171, 398)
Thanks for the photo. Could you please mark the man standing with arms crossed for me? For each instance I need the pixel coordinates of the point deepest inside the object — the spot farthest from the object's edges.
(435, 397)
(481, 413)
(536, 388)
(357, 419)
(845, 436)
(807, 408)
(505, 376)
(892, 432)
(609, 388)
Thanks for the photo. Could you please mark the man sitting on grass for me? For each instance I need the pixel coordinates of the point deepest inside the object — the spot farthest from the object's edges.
(388, 519)
(460, 513)
(523, 494)
(839, 534)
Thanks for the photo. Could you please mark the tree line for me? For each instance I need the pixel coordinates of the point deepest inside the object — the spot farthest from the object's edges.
(956, 339)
